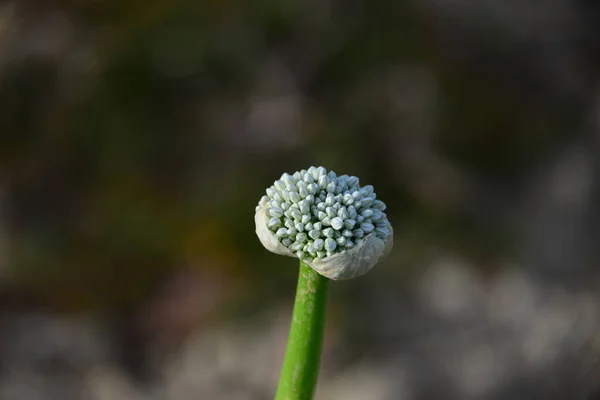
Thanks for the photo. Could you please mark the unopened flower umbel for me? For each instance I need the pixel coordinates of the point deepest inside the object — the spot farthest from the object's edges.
(330, 222)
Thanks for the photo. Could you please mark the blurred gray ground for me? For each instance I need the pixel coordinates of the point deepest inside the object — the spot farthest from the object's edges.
(485, 113)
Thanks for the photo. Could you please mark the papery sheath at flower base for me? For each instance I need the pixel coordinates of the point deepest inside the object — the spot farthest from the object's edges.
(330, 222)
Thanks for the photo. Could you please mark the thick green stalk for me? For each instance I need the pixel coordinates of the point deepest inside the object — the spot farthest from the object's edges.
(301, 365)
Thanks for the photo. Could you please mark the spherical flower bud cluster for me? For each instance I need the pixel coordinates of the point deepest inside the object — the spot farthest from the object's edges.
(324, 220)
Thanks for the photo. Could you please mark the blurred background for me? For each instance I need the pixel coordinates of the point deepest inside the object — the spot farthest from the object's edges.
(136, 138)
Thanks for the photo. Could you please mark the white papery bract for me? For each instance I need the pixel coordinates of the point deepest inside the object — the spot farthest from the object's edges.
(330, 222)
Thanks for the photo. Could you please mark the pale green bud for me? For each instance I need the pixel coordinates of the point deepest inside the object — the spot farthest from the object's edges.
(323, 181)
(330, 244)
(349, 223)
(274, 223)
(276, 212)
(314, 234)
(279, 185)
(328, 232)
(304, 207)
(368, 213)
(301, 237)
(318, 244)
(379, 205)
(318, 226)
(352, 181)
(281, 232)
(330, 212)
(367, 227)
(294, 197)
(337, 223)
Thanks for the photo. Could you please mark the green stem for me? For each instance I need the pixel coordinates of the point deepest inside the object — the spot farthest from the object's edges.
(301, 365)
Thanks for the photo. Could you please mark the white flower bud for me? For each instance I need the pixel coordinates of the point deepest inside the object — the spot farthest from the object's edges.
(352, 212)
(347, 233)
(303, 192)
(276, 212)
(376, 215)
(366, 190)
(301, 237)
(329, 200)
(305, 218)
(328, 232)
(330, 244)
(337, 223)
(274, 223)
(382, 232)
(314, 234)
(321, 171)
(308, 178)
(379, 205)
(331, 187)
(367, 201)
(323, 181)
(367, 227)
(322, 215)
(349, 223)
(343, 213)
(318, 244)
(318, 226)
(299, 226)
(367, 213)
(341, 241)
(281, 232)
(304, 207)
(321, 206)
(270, 193)
(286, 242)
(296, 215)
(352, 181)
(358, 233)
(330, 212)
(279, 185)
(326, 221)
(313, 188)
(294, 197)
